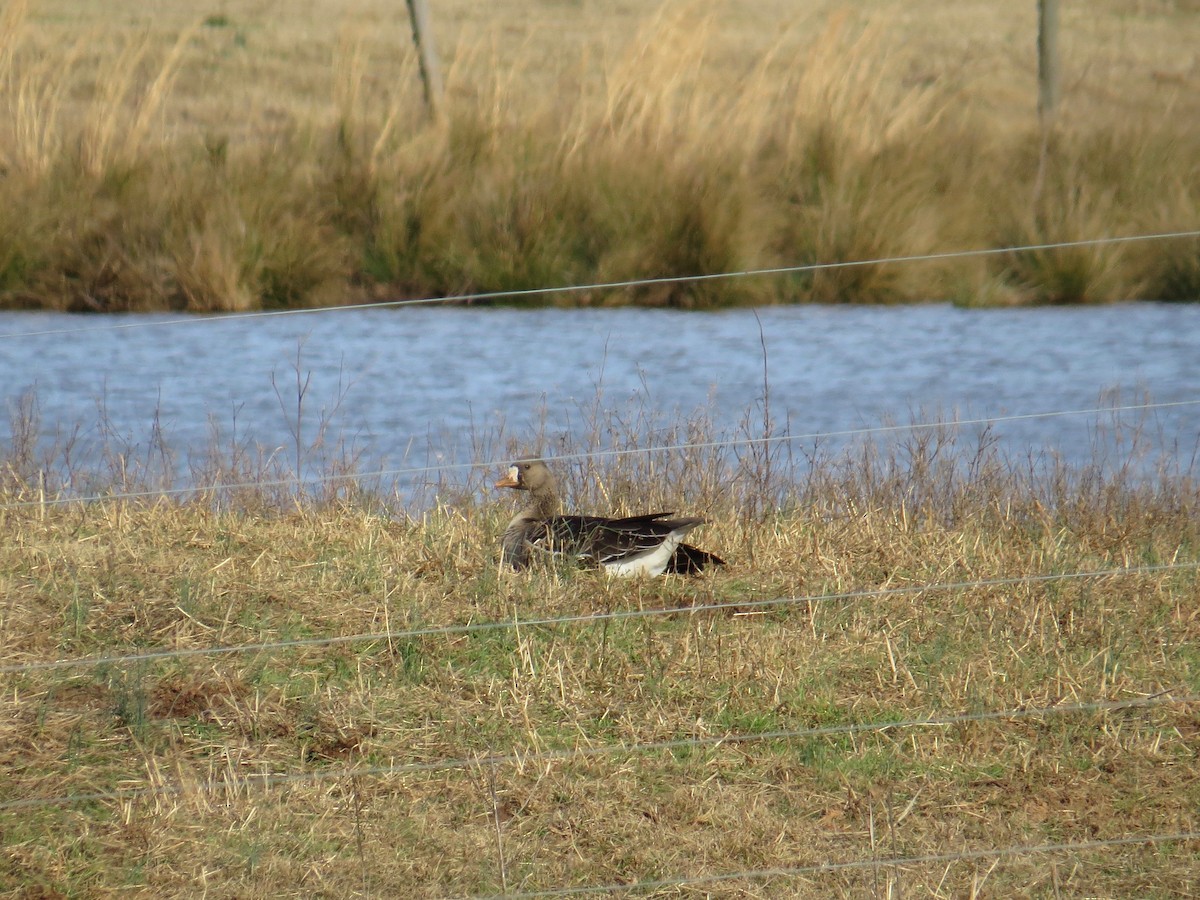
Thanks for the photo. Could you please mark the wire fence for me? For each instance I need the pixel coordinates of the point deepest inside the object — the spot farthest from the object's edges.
(517, 757)
(521, 757)
(524, 758)
(515, 624)
(714, 742)
(859, 864)
(491, 464)
(480, 762)
(526, 293)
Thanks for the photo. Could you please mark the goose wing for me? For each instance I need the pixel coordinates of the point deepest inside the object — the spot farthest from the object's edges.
(689, 560)
(603, 540)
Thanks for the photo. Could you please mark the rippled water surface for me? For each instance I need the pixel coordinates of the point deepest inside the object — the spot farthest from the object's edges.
(398, 384)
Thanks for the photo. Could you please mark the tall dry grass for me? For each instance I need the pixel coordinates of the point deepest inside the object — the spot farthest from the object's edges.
(659, 158)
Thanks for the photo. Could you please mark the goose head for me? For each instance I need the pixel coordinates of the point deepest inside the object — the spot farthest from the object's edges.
(534, 476)
(527, 475)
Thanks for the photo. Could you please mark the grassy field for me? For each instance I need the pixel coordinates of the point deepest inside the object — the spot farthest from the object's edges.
(245, 154)
(456, 751)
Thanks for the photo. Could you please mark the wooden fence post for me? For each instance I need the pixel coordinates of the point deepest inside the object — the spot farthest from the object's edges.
(431, 71)
(1048, 71)
(1048, 86)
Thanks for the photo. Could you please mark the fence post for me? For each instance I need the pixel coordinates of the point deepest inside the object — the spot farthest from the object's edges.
(427, 58)
(1048, 73)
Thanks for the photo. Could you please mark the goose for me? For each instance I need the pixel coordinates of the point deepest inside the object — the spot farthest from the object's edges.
(649, 544)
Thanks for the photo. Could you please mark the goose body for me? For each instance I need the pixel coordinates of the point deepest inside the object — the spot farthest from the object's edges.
(648, 544)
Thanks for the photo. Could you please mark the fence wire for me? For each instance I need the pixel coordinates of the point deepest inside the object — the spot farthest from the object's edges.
(522, 758)
(857, 864)
(588, 618)
(732, 443)
(523, 293)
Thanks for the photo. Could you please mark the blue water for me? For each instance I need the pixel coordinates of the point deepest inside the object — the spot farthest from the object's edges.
(405, 386)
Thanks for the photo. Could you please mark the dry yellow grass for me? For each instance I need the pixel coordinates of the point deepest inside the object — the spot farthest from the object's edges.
(242, 157)
(267, 63)
(383, 752)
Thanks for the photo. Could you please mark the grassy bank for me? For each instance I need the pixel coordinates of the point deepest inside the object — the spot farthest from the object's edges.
(932, 571)
(227, 161)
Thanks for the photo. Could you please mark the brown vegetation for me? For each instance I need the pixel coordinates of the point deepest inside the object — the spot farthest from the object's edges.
(455, 751)
(236, 161)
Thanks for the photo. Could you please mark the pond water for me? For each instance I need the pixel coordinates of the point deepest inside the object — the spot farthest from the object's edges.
(400, 387)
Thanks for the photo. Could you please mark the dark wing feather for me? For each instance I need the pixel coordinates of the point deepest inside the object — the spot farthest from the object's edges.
(689, 560)
(601, 540)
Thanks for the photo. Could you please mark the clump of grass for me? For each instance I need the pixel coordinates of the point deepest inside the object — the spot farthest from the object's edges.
(118, 125)
(849, 155)
(1065, 205)
(1178, 276)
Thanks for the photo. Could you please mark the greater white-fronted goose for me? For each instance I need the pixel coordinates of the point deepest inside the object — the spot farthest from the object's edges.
(636, 545)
